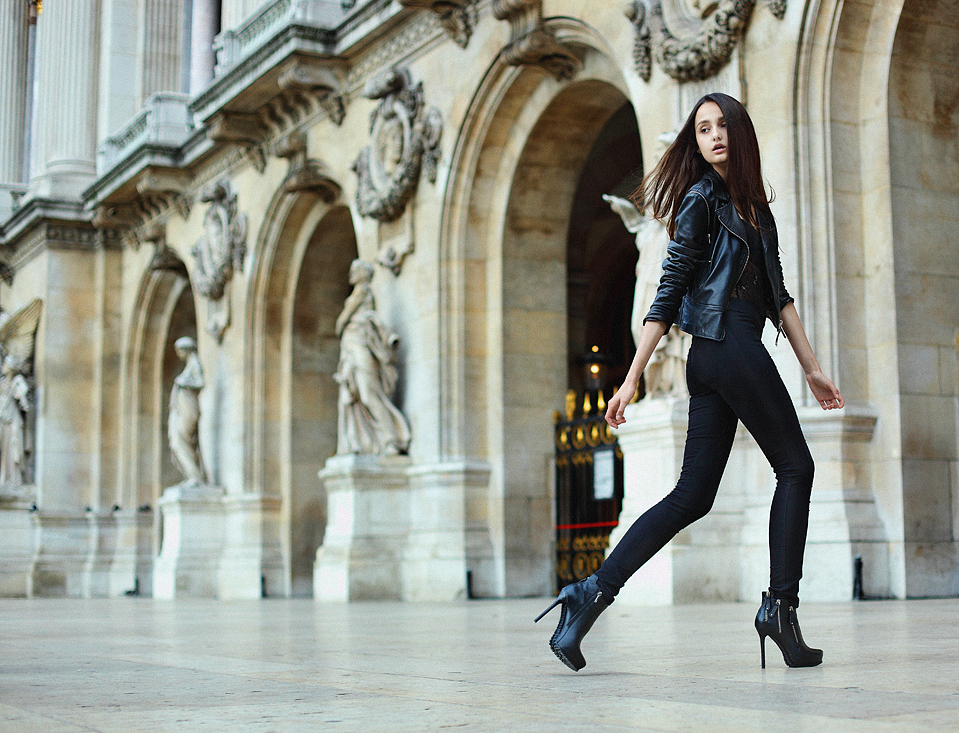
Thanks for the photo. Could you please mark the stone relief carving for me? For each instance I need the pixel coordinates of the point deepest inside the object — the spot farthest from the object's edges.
(183, 426)
(319, 81)
(305, 174)
(457, 17)
(368, 421)
(690, 57)
(404, 141)
(218, 253)
(531, 42)
(17, 338)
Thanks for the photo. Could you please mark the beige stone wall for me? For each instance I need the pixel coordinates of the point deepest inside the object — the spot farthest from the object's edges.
(854, 108)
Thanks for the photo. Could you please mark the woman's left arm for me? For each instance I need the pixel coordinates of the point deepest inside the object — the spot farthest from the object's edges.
(826, 393)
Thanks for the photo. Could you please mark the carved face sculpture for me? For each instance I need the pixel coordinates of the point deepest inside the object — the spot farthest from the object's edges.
(392, 135)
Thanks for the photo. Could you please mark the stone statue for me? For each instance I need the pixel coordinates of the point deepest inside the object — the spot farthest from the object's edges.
(14, 405)
(183, 426)
(666, 371)
(17, 337)
(369, 422)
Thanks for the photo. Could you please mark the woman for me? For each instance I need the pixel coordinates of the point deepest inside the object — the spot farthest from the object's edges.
(721, 279)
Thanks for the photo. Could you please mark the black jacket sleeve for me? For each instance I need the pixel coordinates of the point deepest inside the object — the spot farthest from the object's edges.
(687, 250)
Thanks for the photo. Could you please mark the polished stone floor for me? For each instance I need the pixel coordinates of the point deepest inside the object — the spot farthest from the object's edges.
(277, 665)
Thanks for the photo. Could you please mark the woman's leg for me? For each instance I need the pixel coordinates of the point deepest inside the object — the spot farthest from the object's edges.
(709, 438)
(746, 377)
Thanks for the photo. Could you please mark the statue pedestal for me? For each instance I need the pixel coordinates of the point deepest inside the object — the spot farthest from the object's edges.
(189, 559)
(652, 440)
(368, 510)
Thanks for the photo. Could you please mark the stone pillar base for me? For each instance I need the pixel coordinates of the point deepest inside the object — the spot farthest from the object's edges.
(131, 572)
(102, 541)
(16, 550)
(446, 536)
(62, 548)
(652, 440)
(252, 562)
(192, 522)
(843, 518)
(368, 510)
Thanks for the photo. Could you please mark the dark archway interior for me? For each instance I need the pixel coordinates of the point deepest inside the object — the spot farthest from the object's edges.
(601, 254)
(321, 289)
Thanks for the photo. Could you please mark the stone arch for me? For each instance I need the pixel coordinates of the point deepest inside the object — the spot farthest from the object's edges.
(296, 292)
(503, 288)
(164, 310)
(856, 145)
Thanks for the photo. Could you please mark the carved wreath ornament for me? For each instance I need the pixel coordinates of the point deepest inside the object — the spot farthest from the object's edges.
(404, 142)
(218, 252)
(694, 57)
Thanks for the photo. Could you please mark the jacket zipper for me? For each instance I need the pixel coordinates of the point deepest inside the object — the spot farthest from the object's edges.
(779, 318)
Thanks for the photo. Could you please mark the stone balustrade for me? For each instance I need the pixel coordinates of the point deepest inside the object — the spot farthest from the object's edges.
(165, 120)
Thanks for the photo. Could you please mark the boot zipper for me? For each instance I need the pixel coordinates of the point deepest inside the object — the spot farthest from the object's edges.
(779, 615)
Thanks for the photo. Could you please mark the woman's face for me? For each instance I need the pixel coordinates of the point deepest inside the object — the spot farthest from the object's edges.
(711, 136)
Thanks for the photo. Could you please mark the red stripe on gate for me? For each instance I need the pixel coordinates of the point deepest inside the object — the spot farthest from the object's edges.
(587, 526)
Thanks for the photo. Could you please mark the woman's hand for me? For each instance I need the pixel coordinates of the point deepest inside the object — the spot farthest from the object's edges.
(617, 406)
(826, 393)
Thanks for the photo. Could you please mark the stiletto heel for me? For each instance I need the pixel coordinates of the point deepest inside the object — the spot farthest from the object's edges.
(581, 603)
(782, 626)
(550, 608)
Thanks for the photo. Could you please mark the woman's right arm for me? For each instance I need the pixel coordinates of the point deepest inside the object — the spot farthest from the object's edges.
(652, 332)
(684, 255)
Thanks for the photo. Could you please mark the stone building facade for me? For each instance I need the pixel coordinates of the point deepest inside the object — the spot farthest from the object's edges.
(210, 169)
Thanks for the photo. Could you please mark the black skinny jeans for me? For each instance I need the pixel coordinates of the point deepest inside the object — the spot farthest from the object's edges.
(730, 380)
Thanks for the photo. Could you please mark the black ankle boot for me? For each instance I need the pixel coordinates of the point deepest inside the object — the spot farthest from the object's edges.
(582, 603)
(780, 623)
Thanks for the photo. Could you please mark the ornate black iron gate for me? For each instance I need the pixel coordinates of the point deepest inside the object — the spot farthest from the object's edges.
(589, 487)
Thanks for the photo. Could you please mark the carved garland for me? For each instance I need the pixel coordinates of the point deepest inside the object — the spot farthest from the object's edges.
(694, 58)
(405, 141)
(218, 253)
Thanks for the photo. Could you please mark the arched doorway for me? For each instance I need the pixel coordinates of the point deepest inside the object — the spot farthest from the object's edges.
(165, 310)
(923, 112)
(297, 291)
(321, 288)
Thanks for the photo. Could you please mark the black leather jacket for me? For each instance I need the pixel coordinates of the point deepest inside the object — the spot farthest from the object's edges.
(705, 258)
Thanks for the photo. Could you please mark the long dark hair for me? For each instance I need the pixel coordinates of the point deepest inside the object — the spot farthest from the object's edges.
(681, 166)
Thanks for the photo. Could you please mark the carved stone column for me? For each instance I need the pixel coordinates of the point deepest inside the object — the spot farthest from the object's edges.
(204, 27)
(67, 51)
(13, 87)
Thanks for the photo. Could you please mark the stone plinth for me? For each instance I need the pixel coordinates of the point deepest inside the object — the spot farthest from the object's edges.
(62, 546)
(188, 564)
(101, 544)
(444, 539)
(16, 550)
(252, 562)
(652, 440)
(843, 518)
(132, 568)
(368, 510)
